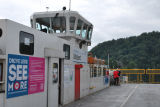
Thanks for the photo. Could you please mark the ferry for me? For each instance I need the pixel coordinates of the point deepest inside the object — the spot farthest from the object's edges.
(47, 64)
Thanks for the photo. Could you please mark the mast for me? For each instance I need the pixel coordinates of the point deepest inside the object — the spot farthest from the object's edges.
(69, 5)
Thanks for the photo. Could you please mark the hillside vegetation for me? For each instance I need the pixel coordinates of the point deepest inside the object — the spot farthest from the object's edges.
(141, 51)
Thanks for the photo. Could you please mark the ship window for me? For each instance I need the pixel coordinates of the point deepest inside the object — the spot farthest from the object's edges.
(1, 71)
(72, 23)
(38, 26)
(95, 71)
(0, 32)
(66, 49)
(79, 26)
(55, 72)
(104, 71)
(26, 43)
(50, 25)
(31, 21)
(1, 78)
(59, 24)
(99, 71)
(84, 31)
(89, 33)
(43, 24)
(91, 72)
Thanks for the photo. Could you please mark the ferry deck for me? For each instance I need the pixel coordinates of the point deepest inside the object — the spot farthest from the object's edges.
(126, 95)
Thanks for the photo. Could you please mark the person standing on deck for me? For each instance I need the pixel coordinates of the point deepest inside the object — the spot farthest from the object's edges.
(119, 74)
(116, 77)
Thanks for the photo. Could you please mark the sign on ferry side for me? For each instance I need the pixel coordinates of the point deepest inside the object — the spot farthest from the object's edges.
(25, 75)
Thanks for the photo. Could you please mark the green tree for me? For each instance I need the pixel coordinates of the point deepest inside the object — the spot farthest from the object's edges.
(141, 51)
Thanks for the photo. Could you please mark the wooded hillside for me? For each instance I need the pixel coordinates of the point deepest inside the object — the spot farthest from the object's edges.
(141, 51)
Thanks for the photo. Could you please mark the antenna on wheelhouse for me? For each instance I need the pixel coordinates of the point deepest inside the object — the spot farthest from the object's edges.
(47, 8)
(69, 5)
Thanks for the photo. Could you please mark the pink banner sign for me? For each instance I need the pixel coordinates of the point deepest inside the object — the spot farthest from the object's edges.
(36, 75)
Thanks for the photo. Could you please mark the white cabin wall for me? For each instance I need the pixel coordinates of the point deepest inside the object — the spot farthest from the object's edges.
(40, 42)
(69, 71)
(69, 85)
(32, 100)
(2, 38)
(3, 52)
(97, 83)
(84, 80)
(53, 89)
(2, 99)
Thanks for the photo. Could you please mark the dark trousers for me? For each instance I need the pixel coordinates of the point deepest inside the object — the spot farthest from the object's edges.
(116, 81)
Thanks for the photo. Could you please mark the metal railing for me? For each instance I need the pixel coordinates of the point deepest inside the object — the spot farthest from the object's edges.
(141, 75)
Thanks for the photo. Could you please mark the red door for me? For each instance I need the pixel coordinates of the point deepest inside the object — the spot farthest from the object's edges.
(77, 81)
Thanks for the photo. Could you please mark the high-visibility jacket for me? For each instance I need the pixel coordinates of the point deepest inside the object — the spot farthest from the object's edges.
(115, 74)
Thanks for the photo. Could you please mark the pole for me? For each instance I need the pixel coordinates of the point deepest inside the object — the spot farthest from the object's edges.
(69, 5)
(108, 60)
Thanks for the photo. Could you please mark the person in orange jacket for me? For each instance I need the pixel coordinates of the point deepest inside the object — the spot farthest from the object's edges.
(116, 77)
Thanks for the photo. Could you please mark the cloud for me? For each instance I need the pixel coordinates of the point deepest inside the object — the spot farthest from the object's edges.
(112, 19)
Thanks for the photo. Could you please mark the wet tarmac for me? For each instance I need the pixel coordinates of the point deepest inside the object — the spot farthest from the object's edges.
(126, 95)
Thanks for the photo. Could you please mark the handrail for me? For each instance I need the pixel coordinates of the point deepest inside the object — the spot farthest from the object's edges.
(2, 82)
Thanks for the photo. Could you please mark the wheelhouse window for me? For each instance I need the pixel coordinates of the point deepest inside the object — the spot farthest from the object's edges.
(66, 49)
(72, 24)
(79, 27)
(89, 33)
(43, 24)
(59, 24)
(84, 31)
(26, 43)
(51, 24)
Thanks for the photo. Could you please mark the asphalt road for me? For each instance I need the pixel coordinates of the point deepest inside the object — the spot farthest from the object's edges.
(126, 95)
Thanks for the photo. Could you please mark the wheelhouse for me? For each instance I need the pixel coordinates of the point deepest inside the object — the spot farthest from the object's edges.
(63, 24)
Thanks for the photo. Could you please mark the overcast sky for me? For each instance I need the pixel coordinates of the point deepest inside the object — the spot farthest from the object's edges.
(112, 19)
